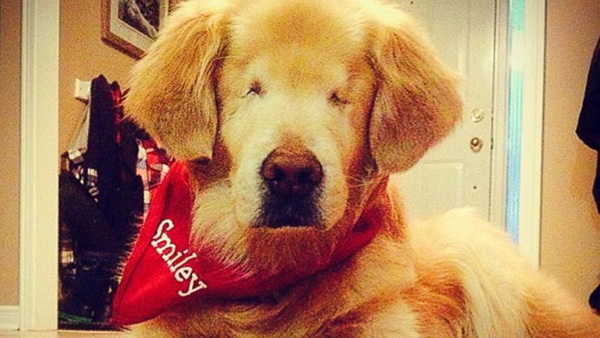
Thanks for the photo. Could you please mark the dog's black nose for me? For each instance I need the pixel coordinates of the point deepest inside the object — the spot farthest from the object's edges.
(291, 173)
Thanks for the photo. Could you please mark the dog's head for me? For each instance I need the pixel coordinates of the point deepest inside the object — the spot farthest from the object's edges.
(297, 108)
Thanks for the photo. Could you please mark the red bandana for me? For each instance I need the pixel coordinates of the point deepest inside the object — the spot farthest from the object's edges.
(164, 271)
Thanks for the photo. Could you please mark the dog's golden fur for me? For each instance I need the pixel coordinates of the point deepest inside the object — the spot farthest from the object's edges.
(355, 83)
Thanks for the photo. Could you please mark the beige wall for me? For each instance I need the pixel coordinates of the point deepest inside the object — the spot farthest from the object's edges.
(83, 55)
(570, 235)
(10, 117)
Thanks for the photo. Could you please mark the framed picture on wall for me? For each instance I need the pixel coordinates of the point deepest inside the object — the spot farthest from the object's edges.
(132, 25)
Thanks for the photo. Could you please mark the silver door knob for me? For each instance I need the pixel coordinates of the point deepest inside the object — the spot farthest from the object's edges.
(476, 144)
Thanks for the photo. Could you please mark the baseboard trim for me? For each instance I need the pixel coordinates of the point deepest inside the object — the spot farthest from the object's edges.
(9, 318)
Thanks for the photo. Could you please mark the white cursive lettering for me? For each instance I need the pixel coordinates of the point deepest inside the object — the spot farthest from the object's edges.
(176, 260)
(191, 288)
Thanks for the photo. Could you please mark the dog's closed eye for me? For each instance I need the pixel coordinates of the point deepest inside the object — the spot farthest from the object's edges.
(336, 99)
(255, 89)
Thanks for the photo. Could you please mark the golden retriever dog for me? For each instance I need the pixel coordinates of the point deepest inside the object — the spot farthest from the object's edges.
(292, 115)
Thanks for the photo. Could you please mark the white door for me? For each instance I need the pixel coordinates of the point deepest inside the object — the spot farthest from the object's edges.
(456, 172)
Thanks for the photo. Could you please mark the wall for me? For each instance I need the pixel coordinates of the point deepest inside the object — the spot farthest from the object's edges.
(10, 107)
(83, 55)
(570, 234)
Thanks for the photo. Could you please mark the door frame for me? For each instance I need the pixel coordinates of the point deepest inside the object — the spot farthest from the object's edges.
(529, 191)
(530, 188)
(38, 287)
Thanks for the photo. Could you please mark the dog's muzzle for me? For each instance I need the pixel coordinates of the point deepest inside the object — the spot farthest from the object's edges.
(291, 181)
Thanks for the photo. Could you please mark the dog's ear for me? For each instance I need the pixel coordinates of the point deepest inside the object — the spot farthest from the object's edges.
(172, 88)
(417, 102)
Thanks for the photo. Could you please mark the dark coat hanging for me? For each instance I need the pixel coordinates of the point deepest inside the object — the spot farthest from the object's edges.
(588, 127)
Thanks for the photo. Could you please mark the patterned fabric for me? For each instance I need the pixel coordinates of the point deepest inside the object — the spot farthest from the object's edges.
(76, 155)
(152, 166)
(108, 172)
(118, 163)
(88, 177)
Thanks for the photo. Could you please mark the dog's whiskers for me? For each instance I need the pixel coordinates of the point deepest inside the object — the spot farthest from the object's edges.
(226, 57)
(221, 182)
(356, 182)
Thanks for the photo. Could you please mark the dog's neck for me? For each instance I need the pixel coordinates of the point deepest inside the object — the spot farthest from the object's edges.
(380, 215)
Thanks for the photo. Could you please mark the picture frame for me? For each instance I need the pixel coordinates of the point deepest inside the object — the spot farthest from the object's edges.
(131, 25)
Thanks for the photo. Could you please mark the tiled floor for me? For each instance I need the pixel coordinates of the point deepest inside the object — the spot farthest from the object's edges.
(61, 334)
